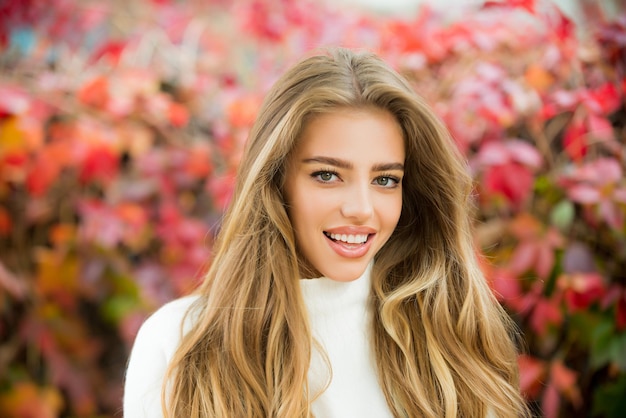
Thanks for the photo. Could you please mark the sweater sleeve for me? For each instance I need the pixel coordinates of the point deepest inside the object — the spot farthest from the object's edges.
(155, 344)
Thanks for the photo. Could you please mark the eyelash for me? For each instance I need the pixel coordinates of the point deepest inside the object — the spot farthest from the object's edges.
(396, 181)
(316, 175)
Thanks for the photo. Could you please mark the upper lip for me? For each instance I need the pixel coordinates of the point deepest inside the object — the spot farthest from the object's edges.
(351, 230)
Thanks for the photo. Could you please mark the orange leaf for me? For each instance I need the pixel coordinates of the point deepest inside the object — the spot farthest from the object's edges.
(95, 92)
(525, 226)
(26, 400)
(62, 234)
(242, 112)
(199, 163)
(11, 136)
(538, 78)
(177, 115)
(57, 274)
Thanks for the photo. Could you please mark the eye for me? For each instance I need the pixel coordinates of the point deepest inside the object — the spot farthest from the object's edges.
(324, 176)
(387, 181)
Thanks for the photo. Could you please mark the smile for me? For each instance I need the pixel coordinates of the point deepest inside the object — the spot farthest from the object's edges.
(348, 238)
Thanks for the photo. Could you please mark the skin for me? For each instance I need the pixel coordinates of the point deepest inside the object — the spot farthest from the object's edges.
(344, 183)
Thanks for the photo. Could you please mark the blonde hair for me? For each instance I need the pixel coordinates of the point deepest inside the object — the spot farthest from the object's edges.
(443, 344)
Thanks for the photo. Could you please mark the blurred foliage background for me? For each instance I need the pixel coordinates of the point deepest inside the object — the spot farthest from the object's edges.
(121, 125)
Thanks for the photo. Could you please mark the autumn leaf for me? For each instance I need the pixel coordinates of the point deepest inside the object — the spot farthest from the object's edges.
(27, 400)
(41, 175)
(538, 78)
(533, 372)
(95, 92)
(5, 222)
(575, 140)
(581, 290)
(100, 165)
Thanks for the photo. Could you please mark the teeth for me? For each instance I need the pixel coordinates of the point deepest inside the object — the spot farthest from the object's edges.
(350, 239)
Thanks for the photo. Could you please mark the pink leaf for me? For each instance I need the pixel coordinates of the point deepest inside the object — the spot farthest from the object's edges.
(600, 127)
(584, 194)
(551, 402)
(612, 214)
(506, 287)
(545, 260)
(524, 257)
(524, 153)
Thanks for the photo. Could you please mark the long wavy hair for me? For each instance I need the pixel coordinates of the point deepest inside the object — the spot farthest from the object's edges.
(444, 346)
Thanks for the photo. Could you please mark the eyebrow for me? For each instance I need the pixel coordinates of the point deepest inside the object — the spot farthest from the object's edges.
(335, 162)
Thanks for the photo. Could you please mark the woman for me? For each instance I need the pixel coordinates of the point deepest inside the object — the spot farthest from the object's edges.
(344, 281)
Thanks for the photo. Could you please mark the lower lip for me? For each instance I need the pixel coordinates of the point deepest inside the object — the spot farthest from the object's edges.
(350, 250)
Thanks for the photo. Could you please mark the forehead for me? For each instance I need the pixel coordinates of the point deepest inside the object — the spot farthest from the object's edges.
(353, 133)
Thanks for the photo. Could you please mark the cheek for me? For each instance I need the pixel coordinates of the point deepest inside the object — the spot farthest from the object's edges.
(392, 214)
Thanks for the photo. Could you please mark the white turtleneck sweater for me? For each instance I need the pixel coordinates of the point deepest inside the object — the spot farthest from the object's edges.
(340, 322)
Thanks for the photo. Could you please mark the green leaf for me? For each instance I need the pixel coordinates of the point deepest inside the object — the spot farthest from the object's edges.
(601, 339)
(116, 308)
(607, 346)
(562, 214)
(609, 400)
(618, 351)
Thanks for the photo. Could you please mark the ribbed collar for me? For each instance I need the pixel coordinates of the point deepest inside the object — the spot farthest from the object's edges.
(324, 295)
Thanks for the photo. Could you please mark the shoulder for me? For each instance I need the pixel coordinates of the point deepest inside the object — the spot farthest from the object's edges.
(155, 344)
(166, 326)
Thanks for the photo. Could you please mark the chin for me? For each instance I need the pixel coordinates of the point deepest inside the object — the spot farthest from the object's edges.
(346, 274)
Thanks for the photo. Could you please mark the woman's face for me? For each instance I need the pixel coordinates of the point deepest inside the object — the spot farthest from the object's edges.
(343, 188)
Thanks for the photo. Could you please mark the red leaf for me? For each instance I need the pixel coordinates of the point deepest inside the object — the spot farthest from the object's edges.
(5, 222)
(574, 140)
(101, 164)
(111, 51)
(532, 372)
(602, 101)
(564, 27)
(581, 290)
(42, 175)
(512, 180)
(546, 313)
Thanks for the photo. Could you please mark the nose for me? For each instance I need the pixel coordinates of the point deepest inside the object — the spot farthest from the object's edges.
(358, 204)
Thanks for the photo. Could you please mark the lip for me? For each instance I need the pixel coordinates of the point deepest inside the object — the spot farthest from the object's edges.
(351, 250)
(351, 230)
